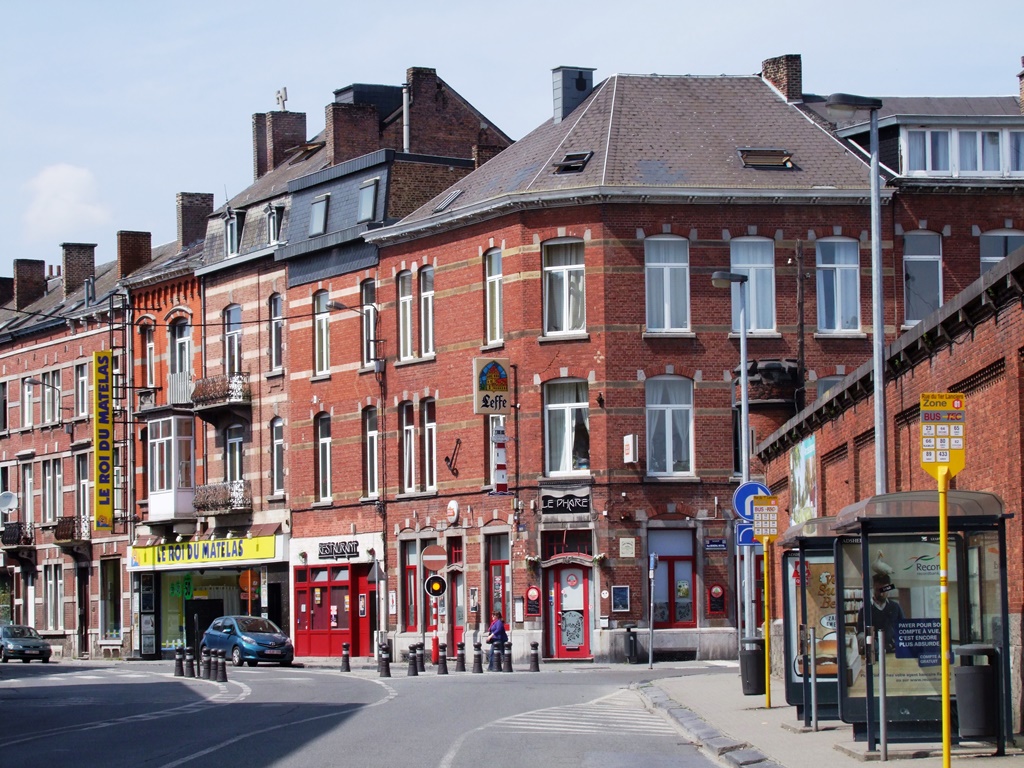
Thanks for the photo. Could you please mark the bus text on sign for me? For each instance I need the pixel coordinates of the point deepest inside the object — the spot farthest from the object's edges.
(943, 432)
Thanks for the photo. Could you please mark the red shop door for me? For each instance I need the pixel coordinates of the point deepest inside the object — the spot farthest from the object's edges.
(571, 636)
(301, 633)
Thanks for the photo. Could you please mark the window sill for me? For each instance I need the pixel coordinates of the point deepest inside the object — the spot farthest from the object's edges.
(848, 335)
(81, 443)
(320, 377)
(568, 478)
(48, 525)
(757, 335)
(493, 345)
(369, 499)
(275, 497)
(275, 374)
(416, 495)
(415, 361)
(584, 336)
(669, 335)
(671, 479)
(322, 504)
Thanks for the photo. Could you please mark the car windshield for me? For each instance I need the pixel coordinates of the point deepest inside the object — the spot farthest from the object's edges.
(20, 632)
(257, 624)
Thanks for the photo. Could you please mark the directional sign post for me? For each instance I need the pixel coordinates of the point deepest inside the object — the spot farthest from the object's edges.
(943, 454)
(742, 504)
(434, 558)
(766, 528)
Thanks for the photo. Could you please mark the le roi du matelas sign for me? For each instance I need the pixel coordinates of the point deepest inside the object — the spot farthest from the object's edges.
(491, 393)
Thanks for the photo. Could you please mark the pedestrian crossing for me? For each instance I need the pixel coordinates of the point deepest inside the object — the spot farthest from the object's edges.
(619, 713)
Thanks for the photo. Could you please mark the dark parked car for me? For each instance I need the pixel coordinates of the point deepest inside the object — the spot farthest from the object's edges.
(18, 642)
(248, 639)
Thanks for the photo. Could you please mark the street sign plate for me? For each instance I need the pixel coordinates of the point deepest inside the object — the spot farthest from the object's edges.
(943, 432)
(434, 558)
(766, 516)
(745, 535)
(435, 586)
(743, 496)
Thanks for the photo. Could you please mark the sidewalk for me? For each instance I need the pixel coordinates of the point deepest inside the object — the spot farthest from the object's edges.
(741, 731)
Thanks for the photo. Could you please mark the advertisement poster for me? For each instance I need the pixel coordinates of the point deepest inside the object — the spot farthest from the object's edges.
(818, 587)
(803, 473)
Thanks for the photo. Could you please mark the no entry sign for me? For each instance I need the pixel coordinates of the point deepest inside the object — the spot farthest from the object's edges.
(434, 558)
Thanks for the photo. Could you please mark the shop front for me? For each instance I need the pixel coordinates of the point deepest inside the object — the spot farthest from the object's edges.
(179, 588)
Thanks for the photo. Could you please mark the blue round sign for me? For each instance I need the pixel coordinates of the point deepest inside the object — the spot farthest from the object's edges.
(742, 499)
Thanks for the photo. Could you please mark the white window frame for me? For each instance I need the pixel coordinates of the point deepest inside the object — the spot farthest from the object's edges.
(82, 495)
(148, 333)
(277, 461)
(916, 259)
(27, 403)
(81, 389)
(428, 426)
(1004, 236)
(495, 296)
(234, 453)
(367, 205)
(760, 273)
(275, 220)
(426, 286)
(318, 215)
(322, 427)
(404, 287)
(667, 284)
(233, 233)
(562, 421)
(181, 346)
(928, 161)
(53, 595)
(407, 426)
(371, 439)
(275, 309)
(28, 494)
(1015, 152)
(982, 151)
(494, 420)
(670, 415)
(53, 490)
(170, 451)
(51, 396)
(368, 300)
(321, 334)
(565, 287)
(842, 274)
(232, 319)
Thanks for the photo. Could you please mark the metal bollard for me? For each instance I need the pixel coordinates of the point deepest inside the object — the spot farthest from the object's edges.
(460, 657)
(384, 664)
(190, 664)
(478, 656)
(534, 657)
(419, 657)
(414, 668)
(346, 665)
(178, 654)
(499, 653)
(508, 657)
(222, 667)
(204, 664)
(442, 659)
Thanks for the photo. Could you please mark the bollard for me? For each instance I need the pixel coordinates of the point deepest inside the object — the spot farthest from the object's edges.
(497, 656)
(442, 659)
(384, 665)
(178, 670)
(222, 667)
(190, 665)
(414, 667)
(478, 665)
(346, 665)
(204, 664)
(508, 657)
(419, 657)
(460, 657)
(534, 657)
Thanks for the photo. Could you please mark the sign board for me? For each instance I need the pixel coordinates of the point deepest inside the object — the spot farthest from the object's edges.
(943, 432)
(745, 535)
(743, 497)
(491, 392)
(766, 516)
(435, 586)
(103, 439)
(715, 545)
(249, 580)
(434, 558)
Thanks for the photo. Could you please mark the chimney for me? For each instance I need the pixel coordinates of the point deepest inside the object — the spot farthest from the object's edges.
(79, 263)
(193, 210)
(352, 130)
(134, 250)
(1020, 79)
(29, 281)
(273, 134)
(6, 290)
(785, 73)
(484, 152)
(572, 85)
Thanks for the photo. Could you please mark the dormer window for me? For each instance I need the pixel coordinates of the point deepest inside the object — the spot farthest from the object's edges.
(981, 151)
(367, 201)
(573, 162)
(928, 151)
(765, 158)
(318, 216)
(275, 220)
(233, 231)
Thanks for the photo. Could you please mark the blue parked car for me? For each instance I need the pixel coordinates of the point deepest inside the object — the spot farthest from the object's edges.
(248, 639)
(18, 642)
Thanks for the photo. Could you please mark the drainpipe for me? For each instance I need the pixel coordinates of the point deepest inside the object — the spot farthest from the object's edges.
(801, 390)
(405, 118)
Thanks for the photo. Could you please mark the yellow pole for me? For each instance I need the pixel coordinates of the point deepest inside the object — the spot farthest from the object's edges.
(766, 542)
(943, 478)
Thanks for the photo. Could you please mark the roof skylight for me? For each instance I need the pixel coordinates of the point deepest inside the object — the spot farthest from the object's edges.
(573, 162)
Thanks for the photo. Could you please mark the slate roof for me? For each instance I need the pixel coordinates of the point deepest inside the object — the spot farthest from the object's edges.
(940, 107)
(664, 138)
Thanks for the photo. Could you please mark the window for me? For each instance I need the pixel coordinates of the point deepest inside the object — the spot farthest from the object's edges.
(995, 246)
(27, 404)
(564, 288)
(318, 215)
(368, 299)
(410, 584)
(370, 436)
(81, 389)
(53, 488)
(233, 232)
(275, 221)
(408, 446)
(28, 494)
(82, 486)
(233, 339)
(669, 425)
(170, 447)
(234, 453)
(427, 311)
(277, 456)
(755, 258)
(922, 275)
(404, 281)
(323, 457)
(367, 201)
(572, 162)
(674, 586)
(428, 423)
(495, 320)
(181, 347)
(979, 151)
(276, 311)
(493, 422)
(928, 151)
(825, 383)
(184, 453)
(53, 595)
(499, 597)
(567, 425)
(148, 358)
(321, 335)
(1016, 151)
(3, 406)
(667, 269)
(110, 599)
(838, 285)
(51, 396)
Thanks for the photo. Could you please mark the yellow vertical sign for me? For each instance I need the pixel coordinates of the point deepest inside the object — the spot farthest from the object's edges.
(943, 432)
(103, 439)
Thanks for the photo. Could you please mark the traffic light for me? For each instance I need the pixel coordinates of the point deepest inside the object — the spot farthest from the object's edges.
(435, 586)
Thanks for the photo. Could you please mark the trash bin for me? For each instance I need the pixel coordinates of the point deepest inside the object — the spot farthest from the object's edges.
(977, 692)
(632, 657)
(752, 666)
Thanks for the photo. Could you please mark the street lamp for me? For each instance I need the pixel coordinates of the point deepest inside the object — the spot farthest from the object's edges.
(845, 105)
(723, 279)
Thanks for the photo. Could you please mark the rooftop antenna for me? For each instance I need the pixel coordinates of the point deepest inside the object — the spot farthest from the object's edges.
(282, 97)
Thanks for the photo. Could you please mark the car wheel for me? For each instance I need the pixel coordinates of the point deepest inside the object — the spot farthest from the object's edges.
(3, 657)
(236, 656)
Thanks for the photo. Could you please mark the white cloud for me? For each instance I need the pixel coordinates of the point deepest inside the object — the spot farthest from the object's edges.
(64, 205)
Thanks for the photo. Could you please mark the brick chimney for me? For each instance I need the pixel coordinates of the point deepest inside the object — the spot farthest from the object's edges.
(273, 134)
(193, 210)
(6, 290)
(484, 152)
(79, 263)
(785, 73)
(1020, 79)
(134, 250)
(29, 281)
(572, 85)
(352, 130)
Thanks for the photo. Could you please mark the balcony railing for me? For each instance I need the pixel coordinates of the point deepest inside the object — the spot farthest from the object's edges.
(72, 529)
(223, 498)
(17, 535)
(179, 388)
(225, 389)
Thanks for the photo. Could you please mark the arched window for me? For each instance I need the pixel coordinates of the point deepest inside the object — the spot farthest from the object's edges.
(669, 425)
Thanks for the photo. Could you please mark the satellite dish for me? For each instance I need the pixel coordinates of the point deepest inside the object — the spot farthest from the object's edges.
(8, 501)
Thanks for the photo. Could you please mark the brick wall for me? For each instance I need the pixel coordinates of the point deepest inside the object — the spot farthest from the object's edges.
(79, 261)
(134, 250)
(29, 281)
(193, 210)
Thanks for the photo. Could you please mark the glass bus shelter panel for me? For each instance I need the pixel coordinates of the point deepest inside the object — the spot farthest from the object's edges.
(984, 588)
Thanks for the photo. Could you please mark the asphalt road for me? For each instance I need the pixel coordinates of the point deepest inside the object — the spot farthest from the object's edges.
(138, 714)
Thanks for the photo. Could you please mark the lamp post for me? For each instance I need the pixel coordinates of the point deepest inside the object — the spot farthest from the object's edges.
(723, 279)
(845, 105)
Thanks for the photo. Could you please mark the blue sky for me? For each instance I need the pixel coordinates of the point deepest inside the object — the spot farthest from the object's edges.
(110, 108)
